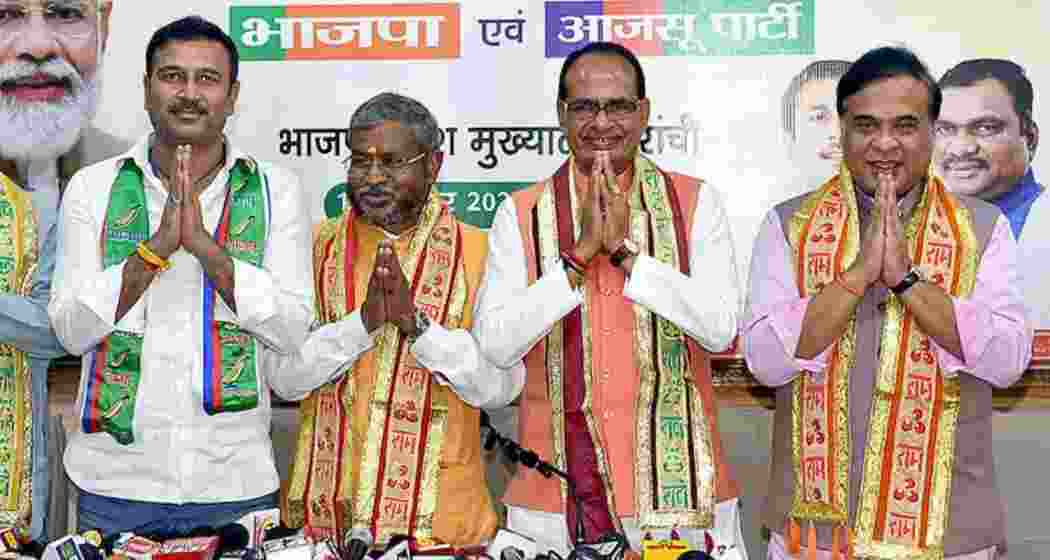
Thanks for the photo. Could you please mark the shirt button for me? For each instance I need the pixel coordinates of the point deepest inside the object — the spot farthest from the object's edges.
(608, 415)
(607, 331)
(605, 374)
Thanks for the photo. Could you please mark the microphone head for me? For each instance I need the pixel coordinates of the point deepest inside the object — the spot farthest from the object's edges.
(279, 532)
(362, 534)
(511, 553)
(200, 531)
(90, 552)
(232, 536)
(695, 555)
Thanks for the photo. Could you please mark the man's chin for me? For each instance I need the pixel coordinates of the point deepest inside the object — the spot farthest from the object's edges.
(45, 130)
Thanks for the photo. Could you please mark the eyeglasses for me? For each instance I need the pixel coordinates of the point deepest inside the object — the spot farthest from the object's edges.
(617, 108)
(359, 166)
(68, 18)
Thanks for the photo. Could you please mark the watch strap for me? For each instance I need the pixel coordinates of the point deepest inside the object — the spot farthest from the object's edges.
(622, 253)
(909, 280)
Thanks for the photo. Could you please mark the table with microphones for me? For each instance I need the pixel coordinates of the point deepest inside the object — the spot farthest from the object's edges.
(613, 546)
(261, 536)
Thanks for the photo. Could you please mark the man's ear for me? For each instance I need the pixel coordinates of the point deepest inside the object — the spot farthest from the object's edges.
(104, 11)
(145, 91)
(1031, 138)
(231, 99)
(437, 157)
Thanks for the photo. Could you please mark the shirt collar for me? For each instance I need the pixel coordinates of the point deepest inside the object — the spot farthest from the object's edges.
(1025, 191)
(139, 153)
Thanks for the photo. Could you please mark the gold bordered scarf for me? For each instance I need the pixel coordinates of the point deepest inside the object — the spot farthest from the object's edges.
(675, 469)
(397, 488)
(905, 490)
(18, 260)
(229, 378)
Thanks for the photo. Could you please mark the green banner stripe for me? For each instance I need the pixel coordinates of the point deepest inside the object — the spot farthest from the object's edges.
(245, 25)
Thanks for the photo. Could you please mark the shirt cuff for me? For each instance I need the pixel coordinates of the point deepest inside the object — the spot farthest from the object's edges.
(971, 319)
(787, 326)
(634, 288)
(560, 277)
(102, 298)
(253, 291)
(430, 349)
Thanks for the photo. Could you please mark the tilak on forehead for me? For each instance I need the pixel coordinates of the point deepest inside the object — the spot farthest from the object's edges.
(371, 150)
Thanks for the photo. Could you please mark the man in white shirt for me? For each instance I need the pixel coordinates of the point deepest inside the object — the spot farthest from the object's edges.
(611, 281)
(183, 272)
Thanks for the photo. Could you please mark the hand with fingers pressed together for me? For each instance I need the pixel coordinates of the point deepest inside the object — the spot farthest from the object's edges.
(192, 234)
(614, 202)
(896, 261)
(400, 305)
(592, 218)
(168, 237)
(389, 297)
(373, 310)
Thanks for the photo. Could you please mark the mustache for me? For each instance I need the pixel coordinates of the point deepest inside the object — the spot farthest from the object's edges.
(949, 161)
(188, 105)
(54, 69)
(374, 190)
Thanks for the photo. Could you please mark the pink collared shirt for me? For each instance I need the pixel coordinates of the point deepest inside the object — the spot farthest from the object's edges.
(993, 324)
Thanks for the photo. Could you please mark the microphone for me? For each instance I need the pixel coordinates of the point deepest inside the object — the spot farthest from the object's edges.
(357, 541)
(511, 553)
(71, 547)
(695, 555)
(399, 546)
(232, 537)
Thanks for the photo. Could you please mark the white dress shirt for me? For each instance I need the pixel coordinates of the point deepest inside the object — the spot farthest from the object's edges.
(180, 453)
(513, 316)
(452, 355)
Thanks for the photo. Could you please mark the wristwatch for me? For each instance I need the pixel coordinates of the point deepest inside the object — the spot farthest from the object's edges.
(626, 249)
(422, 324)
(910, 279)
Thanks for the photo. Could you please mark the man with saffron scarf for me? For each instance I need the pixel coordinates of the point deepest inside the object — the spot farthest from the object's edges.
(611, 281)
(183, 272)
(389, 442)
(883, 309)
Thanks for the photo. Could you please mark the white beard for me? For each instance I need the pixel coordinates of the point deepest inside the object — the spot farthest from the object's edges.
(41, 130)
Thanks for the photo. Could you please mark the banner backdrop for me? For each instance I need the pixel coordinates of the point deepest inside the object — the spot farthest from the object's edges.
(722, 75)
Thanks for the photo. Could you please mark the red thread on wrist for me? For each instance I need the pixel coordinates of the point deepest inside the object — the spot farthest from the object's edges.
(574, 261)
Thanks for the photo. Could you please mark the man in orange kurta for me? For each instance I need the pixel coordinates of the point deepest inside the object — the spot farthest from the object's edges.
(392, 379)
(611, 281)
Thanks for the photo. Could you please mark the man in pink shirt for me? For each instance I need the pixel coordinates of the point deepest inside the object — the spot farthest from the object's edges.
(609, 280)
(884, 309)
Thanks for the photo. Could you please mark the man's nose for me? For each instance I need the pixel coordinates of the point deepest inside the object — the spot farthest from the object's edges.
(836, 130)
(601, 119)
(960, 145)
(886, 141)
(36, 41)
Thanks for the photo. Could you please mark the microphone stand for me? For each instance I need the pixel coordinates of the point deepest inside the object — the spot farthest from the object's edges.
(529, 458)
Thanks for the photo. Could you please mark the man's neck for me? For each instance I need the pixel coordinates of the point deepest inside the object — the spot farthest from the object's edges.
(205, 159)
